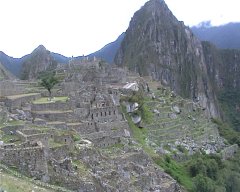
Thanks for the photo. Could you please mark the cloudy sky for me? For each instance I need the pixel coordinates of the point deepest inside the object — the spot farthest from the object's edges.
(77, 27)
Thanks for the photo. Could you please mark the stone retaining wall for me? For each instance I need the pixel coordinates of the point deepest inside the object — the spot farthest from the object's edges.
(63, 106)
(11, 129)
(10, 88)
(18, 102)
(57, 116)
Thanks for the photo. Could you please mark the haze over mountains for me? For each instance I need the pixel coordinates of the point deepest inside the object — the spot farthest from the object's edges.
(224, 36)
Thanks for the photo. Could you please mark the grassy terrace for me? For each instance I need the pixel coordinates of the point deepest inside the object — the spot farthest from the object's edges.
(45, 100)
(11, 123)
(21, 95)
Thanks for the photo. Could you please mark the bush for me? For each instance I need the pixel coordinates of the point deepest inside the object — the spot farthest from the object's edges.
(203, 184)
(232, 136)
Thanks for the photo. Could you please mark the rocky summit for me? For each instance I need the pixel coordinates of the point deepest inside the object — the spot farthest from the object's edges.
(163, 118)
(39, 60)
(157, 44)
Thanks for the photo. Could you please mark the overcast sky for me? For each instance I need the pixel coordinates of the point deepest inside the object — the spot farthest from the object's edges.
(77, 27)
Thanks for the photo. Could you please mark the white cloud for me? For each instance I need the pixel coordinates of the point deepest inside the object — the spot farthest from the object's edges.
(193, 12)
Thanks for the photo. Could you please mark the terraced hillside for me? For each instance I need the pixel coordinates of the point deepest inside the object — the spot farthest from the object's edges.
(176, 121)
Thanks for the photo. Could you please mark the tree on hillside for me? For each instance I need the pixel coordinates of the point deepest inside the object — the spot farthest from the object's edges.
(48, 81)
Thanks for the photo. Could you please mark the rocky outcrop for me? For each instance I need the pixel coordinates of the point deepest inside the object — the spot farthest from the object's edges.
(38, 61)
(157, 44)
(126, 170)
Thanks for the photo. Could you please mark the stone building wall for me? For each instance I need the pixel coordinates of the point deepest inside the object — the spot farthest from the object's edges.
(16, 103)
(113, 126)
(105, 114)
(66, 139)
(68, 87)
(60, 152)
(84, 127)
(81, 113)
(63, 116)
(34, 138)
(106, 141)
(30, 161)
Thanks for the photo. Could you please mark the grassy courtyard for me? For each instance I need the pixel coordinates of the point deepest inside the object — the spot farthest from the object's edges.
(45, 100)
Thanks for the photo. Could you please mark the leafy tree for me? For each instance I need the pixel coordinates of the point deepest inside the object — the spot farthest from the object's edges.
(203, 184)
(48, 81)
(230, 180)
(197, 166)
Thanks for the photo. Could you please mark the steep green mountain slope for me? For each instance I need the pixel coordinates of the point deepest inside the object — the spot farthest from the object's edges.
(157, 44)
(182, 137)
(224, 68)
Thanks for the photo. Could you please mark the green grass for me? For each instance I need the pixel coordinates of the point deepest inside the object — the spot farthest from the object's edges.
(82, 168)
(11, 123)
(54, 144)
(45, 100)
(21, 95)
(176, 170)
(7, 138)
(146, 114)
(14, 184)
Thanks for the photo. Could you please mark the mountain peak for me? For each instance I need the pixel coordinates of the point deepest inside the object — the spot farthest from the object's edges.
(157, 44)
(40, 48)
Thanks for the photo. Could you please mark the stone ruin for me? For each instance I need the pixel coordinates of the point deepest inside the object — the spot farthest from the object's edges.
(64, 142)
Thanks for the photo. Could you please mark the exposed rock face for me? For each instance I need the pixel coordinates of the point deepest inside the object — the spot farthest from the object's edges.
(223, 69)
(223, 66)
(39, 60)
(157, 44)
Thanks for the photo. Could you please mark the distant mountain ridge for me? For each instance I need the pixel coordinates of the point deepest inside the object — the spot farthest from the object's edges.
(16, 65)
(12, 64)
(109, 51)
(224, 36)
